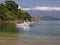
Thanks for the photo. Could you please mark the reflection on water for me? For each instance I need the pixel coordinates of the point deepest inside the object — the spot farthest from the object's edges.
(50, 28)
(42, 33)
(24, 27)
(8, 34)
(8, 28)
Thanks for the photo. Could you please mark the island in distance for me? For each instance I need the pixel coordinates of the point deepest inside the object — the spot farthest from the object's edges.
(49, 18)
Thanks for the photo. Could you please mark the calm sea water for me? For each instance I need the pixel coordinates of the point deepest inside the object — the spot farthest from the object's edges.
(50, 28)
(40, 33)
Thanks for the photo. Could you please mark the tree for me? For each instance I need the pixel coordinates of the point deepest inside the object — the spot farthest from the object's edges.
(2, 15)
(27, 16)
(23, 15)
(10, 11)
(11, 5)
(5, 14)
(19, 14)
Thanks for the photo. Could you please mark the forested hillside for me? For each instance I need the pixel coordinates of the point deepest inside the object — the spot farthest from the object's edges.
(9, 11)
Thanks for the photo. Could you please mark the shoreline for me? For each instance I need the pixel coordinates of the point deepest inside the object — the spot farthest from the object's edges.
(18, 21)
(30, 40)
(11, 21)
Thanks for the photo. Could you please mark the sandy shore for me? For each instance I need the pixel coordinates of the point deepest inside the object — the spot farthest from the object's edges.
(27, 40)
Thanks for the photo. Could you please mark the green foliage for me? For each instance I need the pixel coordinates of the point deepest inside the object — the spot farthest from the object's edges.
(11, 5)
(10, 11)
(27, 16)
(2, 15)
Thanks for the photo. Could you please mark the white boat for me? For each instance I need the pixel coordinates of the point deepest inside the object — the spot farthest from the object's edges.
(26, 28)
(24, 24)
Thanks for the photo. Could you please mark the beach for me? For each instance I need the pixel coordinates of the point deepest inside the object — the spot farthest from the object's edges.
(33, 40)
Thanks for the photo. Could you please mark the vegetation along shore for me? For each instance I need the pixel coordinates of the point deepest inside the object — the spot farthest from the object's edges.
(9, 13)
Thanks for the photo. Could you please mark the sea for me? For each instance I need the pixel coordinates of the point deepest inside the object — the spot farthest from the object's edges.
(38, 33)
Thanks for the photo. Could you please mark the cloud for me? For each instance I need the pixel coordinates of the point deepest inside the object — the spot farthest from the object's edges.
(26, 8)
(43, 8)
(47, 8)
(19, 7)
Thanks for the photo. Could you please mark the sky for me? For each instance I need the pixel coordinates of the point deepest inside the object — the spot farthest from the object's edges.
(38, 4)
(34, 3)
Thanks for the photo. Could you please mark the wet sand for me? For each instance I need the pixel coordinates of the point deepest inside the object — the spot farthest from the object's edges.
(27, 42)
(30, 40)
